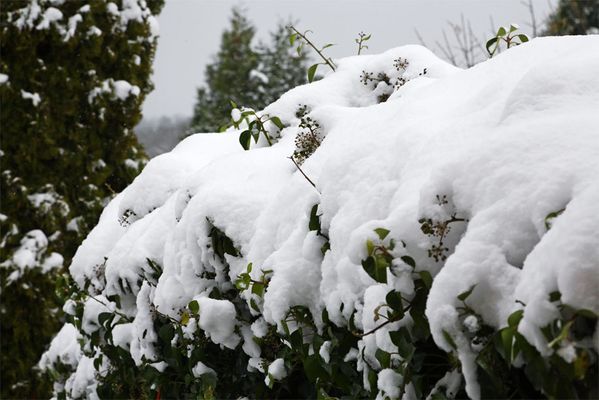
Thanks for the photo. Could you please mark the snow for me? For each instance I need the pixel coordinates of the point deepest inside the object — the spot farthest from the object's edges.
(73, 21)
(50, 15)
(64, 349)
(276, 371)
(34, 97)
(112, 8)
(498, 146)
(471, 323)
(201, 369)
(217, 319)
(94, 31)
(3, 79)
(123, 89)
(325, 351)
(389, 383)
(30, 254)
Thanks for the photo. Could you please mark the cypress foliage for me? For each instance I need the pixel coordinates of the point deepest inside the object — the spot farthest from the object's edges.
(574, 17)
(251, 76)
(73, 77)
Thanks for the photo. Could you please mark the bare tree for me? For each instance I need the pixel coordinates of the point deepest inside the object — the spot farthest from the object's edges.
(461, 47)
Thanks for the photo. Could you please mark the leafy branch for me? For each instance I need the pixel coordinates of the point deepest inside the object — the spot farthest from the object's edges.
(510, 37)
(360, 40)
(303, 40)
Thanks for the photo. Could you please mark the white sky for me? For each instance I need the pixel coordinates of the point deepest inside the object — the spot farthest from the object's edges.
(190, 32)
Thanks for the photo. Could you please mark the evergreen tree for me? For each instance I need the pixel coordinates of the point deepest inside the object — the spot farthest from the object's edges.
(250, 76)
(228, 77)
(73, 76)
(280, 67)
(574, 17)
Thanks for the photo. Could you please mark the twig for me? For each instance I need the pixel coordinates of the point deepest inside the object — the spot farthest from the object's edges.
(120, 314)
(328, 61)
(300, 170)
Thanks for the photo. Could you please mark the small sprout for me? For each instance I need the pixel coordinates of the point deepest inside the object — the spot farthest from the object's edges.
(361, 39)
(510, 37)
(302, 38)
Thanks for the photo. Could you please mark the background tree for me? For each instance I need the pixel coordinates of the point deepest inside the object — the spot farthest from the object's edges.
(73, 76)
(251, 76)
(574, 17)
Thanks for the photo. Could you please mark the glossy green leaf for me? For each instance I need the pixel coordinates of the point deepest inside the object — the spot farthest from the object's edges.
(464, 295)
(394, 301)
(314, 223)
(277, 122)
(312, 72)
(514, 319)
(194, 307)
(427, 278)
(449, 339)
(244, 139)
(382, 233)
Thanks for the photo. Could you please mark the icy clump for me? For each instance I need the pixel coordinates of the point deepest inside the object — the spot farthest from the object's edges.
(497, 148)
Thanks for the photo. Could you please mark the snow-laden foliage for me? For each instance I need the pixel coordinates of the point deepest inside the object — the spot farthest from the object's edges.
(439, 241)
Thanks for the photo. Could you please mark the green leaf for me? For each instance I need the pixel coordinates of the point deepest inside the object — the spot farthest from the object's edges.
(381, 273)
(427, 278)
(367, 37)
(583, 312)
(507, 340)
(464, 295)
(409, 260)
(194, 307)
(382, 233)
(277, 122)
(563, 334)
(244, 139)
(369, 246)
(166, 333)
(501, 32)
(327, 46)
(438, 396)
(383, 357)
(514, 319)
(258, 289)
(292, 38)
(314, 223)
(369, 266)
(325, 247)
(394, 301)
(555, 296)
(312, 72)
(490, 43)
(314, 369)
(513, 28)
(254, 305)
(449, 339)
(103, 317)
(402, 340)
(523, 38)
(233, 104)
(184, 318)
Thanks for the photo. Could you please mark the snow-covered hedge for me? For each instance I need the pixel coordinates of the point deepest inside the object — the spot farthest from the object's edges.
(435, 235)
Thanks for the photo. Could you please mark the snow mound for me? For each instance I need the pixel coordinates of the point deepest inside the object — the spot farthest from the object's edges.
(505, 153)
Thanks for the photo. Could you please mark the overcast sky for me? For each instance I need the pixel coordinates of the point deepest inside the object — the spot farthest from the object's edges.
(190, 32)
